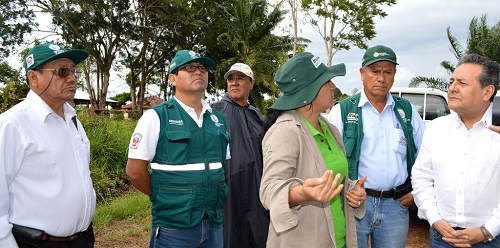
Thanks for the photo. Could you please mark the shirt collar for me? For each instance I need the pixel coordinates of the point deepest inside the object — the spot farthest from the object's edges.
(485, 121)
(204, 104)
(363, 100)
(42, 109)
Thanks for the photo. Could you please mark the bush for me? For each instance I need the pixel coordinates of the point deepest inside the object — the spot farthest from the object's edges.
(109, 139)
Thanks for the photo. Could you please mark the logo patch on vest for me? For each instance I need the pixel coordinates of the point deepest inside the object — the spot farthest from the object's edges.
(136, 139)
(214, 118)
(352, 117)
(401, 113)
(176, 122)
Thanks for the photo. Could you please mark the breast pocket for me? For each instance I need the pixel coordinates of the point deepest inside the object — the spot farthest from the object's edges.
(399, 141)
(217, 144)
(178, 150)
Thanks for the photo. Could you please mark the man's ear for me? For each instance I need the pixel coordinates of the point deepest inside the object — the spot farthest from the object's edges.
(488, 92)
(171, 78)
(33, 79)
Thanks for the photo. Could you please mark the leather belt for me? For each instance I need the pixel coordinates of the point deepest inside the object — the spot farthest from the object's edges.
(380, 194)
(205, 216)
(51, 238)
(394, 193)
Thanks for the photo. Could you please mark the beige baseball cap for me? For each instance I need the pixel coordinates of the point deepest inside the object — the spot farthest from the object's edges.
(243, 68)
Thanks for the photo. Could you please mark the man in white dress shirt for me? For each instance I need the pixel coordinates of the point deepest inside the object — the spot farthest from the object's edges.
(456, 177)
(47, 197)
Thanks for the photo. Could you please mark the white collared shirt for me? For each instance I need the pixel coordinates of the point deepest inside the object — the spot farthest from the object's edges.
(456, 177)
(383, 157)
(44, 170)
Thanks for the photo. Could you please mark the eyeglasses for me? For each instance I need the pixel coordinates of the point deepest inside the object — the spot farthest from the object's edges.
(192, 68)
(64, 72)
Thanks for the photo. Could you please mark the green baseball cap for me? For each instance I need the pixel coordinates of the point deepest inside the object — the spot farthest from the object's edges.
(301, 78)
(183, 57)
(43, 53)
(378, 53)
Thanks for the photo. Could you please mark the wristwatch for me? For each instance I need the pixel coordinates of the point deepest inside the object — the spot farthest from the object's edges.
(486, 234)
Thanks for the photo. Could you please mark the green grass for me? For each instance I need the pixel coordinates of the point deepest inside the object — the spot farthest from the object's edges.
(134, 206)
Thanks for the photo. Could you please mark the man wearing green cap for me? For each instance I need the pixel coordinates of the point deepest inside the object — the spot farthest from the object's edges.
(381, 135)
(45, 185)
(186, 143)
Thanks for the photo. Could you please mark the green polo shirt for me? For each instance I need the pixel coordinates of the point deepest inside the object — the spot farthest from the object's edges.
(336, 162)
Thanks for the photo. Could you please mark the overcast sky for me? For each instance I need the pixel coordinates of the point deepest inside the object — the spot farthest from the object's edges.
(416, 31)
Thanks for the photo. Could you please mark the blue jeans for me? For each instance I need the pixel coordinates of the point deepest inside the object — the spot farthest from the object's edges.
(386, 222)
(436, 241)
(203, 235)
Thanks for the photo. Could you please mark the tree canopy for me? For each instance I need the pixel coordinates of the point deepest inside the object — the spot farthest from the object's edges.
(139, 37)
(342, 23)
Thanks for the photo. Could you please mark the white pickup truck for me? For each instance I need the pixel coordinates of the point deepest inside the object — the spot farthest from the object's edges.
(430, 103)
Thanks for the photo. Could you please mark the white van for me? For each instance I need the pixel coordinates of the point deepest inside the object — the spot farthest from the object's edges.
(430, 103)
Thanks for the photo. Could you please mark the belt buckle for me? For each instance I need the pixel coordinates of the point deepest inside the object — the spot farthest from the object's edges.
(381, 196)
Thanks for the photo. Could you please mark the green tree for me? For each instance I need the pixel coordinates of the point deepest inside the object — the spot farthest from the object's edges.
(96, 26)
(162, 28)
(482, 40)
(121, 99)
(12, 94)
(16, 20)
(344, 22)
(14, 88)
(244, 35)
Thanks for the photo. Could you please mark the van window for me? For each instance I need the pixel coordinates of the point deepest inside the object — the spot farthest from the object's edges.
(436, 105)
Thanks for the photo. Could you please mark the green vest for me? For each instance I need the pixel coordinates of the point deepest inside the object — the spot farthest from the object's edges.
(181, 197)
(353, 131)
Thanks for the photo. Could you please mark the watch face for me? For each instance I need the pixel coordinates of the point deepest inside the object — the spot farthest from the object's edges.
(495, 120)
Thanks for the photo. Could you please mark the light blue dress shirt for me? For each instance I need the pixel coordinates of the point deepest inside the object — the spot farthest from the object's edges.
(383, 149)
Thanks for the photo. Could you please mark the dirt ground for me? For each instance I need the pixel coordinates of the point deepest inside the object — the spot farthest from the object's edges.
(418, 235)
(131, 234)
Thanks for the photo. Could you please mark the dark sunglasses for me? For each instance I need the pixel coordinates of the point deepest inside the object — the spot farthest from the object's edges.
(192, 68)
(64, 72)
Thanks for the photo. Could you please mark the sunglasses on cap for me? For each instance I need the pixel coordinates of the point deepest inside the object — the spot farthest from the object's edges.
(192, 68)
(64, 72)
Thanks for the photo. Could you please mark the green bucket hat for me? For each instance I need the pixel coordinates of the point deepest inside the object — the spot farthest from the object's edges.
(43, 53)
(300, 80)
(183, 57)
(378, 53)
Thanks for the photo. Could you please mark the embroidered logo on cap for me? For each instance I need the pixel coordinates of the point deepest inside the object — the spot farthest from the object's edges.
(30, 60)
(315, 61)
(193, 54)
(377, 54)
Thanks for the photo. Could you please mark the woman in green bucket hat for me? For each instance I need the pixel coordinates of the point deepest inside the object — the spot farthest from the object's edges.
(304, 185)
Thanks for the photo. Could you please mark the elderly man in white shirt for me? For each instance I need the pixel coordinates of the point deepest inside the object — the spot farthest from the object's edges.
(456, 177)
(47, 197)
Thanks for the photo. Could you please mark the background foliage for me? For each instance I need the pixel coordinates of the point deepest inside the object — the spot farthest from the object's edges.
(109, 139)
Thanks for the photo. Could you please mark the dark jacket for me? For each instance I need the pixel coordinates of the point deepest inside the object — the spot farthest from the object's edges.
(246, 222)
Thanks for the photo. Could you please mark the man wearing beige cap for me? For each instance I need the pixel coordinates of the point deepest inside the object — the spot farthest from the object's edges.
(246, 222)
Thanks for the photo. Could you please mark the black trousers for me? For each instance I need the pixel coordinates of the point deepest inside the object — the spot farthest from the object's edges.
(87, 240)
